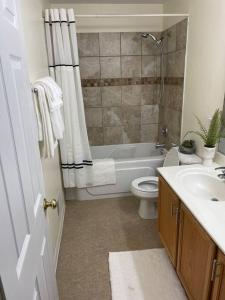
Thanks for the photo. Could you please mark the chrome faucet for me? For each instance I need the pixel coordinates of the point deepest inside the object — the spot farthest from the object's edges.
(221, 175)
(159, 146)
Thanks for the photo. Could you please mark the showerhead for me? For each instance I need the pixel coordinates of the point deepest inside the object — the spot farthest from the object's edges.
(145, 35)
(157, 41)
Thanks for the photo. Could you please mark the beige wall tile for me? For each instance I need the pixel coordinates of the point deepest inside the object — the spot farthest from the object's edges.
(130, 43)
(149, 66)
(113, 135)
(175, 64)
(111, 96)
(131, 134)
(148, 94)
(149, 114)
(131, 94)
(95, 136)
(112, 116)
(93, 117)
(131, 66)
(181, 34)
(131, 114)
(149, 133)
(92, 96)
(171, 41)
(110, 67)
(89, 67)
(88, 44)
(109, 43)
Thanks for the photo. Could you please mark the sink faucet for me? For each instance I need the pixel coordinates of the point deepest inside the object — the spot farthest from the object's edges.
(221, 175)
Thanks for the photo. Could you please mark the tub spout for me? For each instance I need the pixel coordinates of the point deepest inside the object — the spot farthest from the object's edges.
(159, 146)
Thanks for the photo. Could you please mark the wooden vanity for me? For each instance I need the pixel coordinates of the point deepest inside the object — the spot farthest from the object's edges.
(199, 263)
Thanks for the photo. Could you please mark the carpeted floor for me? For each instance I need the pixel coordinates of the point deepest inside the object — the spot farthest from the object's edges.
(92, 229)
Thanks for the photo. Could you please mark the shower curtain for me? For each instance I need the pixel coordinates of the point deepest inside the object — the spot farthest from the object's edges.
(63, 61)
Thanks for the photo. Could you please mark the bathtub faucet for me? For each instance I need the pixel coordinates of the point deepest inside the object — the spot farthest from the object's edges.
(159, 146)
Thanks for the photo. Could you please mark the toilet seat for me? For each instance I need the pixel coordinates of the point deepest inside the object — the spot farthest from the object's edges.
(145, 187)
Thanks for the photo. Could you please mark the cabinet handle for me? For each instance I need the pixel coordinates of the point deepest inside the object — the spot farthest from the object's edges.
(177, 215)
(174, 211)
(216, 270)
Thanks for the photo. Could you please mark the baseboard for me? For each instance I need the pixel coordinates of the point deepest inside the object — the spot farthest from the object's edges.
(59, 238)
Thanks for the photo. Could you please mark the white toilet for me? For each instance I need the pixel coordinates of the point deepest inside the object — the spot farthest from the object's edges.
(146, 188)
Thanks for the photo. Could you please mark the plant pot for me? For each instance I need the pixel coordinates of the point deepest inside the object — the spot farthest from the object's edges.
(208, 156)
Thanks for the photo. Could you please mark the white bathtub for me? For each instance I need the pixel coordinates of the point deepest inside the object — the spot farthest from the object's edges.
(131, 161)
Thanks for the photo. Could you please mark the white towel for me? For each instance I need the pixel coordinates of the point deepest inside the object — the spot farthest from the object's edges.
(103, 172)
(189, 159)
(54, 100)
(46, 138)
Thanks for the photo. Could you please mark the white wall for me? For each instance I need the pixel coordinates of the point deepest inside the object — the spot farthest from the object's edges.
(34, 38)
(205, 70)
(112, 24)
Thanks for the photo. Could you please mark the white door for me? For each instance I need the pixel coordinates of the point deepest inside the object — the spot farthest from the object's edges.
(26, 268)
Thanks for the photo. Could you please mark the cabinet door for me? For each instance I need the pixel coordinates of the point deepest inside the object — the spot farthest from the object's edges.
(168, 211)
(196, 253)
(218, 292)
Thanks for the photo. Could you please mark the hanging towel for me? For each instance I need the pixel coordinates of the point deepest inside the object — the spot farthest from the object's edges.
(46, 138)
(103, 172)
(54, 99)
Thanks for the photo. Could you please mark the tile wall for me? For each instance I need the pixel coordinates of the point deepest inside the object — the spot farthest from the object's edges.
(120, 81)
(170, 106)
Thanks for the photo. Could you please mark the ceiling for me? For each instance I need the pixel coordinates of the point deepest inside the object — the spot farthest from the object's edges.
(111, 1)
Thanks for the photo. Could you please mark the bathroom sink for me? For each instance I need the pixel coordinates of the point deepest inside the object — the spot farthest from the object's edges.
(202, 184)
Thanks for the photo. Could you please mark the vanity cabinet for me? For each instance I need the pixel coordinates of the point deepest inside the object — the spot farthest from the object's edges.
(218, 276)
(199, 263)
(168, 207)
(196, 253)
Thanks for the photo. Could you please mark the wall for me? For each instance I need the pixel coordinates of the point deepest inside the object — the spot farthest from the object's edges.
(205, 72)
(119, 75)
(37, 67)
(115, 24)
(170, 109)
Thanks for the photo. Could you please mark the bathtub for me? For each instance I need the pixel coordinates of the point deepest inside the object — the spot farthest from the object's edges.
(131, 161)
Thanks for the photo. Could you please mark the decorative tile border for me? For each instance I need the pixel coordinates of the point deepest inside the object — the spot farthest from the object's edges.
(130, 81)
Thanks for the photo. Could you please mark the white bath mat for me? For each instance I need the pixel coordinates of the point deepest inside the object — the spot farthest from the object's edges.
(143, 275)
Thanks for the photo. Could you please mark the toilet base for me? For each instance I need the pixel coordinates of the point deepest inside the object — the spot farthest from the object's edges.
(147, 208)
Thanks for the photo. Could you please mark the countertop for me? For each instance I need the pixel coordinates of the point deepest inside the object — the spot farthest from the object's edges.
(211, 215)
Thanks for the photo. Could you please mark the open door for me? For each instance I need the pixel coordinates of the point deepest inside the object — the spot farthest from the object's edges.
(26, 267)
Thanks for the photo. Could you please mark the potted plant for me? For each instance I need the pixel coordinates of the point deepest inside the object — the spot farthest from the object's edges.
(210, 136)
(188, 147)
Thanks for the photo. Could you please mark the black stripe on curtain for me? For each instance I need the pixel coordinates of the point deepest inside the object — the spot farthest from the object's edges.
(63, 65)
(51, 22)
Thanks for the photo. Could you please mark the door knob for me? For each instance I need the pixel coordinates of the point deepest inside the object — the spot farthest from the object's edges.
(49, 203)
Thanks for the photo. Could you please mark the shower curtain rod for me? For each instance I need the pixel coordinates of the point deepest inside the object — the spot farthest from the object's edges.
(130, 15)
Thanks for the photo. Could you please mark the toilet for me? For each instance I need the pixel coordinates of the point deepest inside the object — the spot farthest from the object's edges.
(146, 188)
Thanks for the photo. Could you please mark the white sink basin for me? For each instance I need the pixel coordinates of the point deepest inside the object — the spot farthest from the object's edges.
(202, 184)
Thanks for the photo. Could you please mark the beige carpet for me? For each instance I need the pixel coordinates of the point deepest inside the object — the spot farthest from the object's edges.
(144, 275)
(92, 229)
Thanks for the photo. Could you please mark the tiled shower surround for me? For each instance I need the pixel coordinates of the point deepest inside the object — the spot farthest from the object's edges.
(170, 106)
(120, 80)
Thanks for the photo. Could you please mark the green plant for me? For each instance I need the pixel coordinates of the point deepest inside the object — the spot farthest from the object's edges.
(211, 135)
(188, 143)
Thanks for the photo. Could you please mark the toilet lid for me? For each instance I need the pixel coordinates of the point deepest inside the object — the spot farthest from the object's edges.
(146, 184)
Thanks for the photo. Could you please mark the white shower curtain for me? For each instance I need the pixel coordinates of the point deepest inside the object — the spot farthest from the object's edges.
(64, 68)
